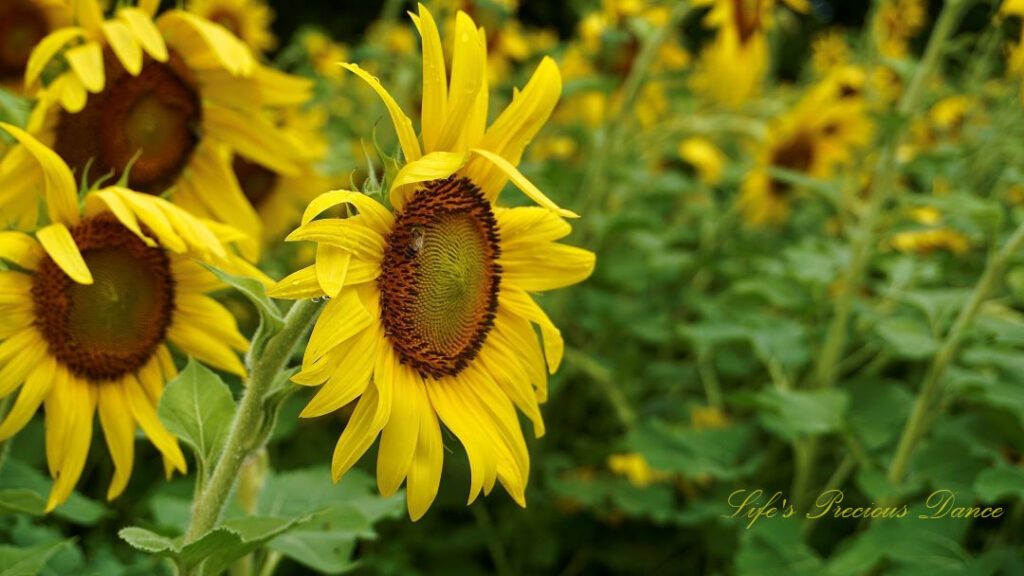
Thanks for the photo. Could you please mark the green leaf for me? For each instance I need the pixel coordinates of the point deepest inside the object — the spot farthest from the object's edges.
(271, 320)
(344, 512)
(198, 408)
(146, 540)
(217, 549)
(877, 411)
(776, 547)
(78, 508)
(908, 337)
(27, 561)
(1000, 482)
(792, 414)
(904, 541)
(21, 501)
(719, 453)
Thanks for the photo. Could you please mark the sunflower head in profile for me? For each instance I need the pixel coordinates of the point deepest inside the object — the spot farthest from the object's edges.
(88, 309)
(23, 24)
(250, 20)
(164, 100)
(431, 318)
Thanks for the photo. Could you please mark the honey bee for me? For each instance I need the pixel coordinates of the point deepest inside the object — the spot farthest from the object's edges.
(416, 243)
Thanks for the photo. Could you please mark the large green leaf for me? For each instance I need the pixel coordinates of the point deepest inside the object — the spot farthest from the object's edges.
(908, 337)
(27, 561)
(217, 549)
(1000, 482)
(198, 408)
(792, 414)
(21, 501)
(18, 476)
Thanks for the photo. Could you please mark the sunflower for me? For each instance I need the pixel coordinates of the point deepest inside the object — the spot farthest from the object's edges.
(87, 312)
(280, 198)
(248, 19)
(732, 68)
(430, 315)
(706, 159)
(23, 23)
(895, 24)
(828, 51)
(163, 98)
(822, 132)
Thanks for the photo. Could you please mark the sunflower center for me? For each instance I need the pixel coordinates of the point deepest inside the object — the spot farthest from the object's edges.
(440, 277)
(153, 118)
(22, 26)
(111, 327)
(795, 155)
(257, 181)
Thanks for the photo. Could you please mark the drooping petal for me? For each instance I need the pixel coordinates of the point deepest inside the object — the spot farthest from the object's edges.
(524, 184)
(435, 79)
(86, 61)
(425, 470)
(403, 126)
(343, 317)
(350, 373)
(143, 410)
(374, 213)
(359, 434)
(58, 243)
(124, 45)
(119, 430)
(47, 50)
(399, 437)
(61, 194)
(19, 248)
(331, 268)
(74, 403)
(141, 25)
(18, 355)
(35, 389)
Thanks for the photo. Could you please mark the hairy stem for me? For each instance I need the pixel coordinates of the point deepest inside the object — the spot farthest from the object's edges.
(917, 424)
(864, 240)
(208, 507)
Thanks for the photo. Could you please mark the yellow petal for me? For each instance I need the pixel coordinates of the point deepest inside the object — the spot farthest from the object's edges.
(398, 439)
(476, 120)
(21, 249)
(435, 79)
(468, 69)
(354, 362)
(60, 246)
(253, 137)
(359, 434)
(433, 166)
(482, 461)
(403, 126)
(208, 315)
(61, 194)
(516, 126)
(107, 199)
(124, 44)
(331, 268)
(77, 400)
(521, 304)
(425, 470)
(523, 184)
(205, 347)
(373, 212)
(555, 266)
(119, 431)
(35, 389)
(514, 382)
(19, 354)
(143, 410)
(529, 226)
(72, 92)
(180, 27)
(349, 234)
(46, 50)
(87, 62)
(211, 170)
(141, 24)
(299, 285)
(343, 317)
(88, 14)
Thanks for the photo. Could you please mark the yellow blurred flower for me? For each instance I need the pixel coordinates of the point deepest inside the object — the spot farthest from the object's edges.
(931, 240)
(708, 418)
(705, 157)
(635, 468)
(829, 51)
(325, 54)
(554, 148)
(248, 19)
(897, 22)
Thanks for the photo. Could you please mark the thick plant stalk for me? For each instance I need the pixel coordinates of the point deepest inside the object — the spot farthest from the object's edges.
(917, 424)
(864, 241)
(207, 508)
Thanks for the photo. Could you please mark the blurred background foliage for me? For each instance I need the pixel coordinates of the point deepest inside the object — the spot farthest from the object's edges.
(704, 356)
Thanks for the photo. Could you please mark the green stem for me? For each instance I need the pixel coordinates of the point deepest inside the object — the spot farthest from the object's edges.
(493, 540)
(5, 445)
(606, 381)
(207, 509)
(917, 424)
(864, 241)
